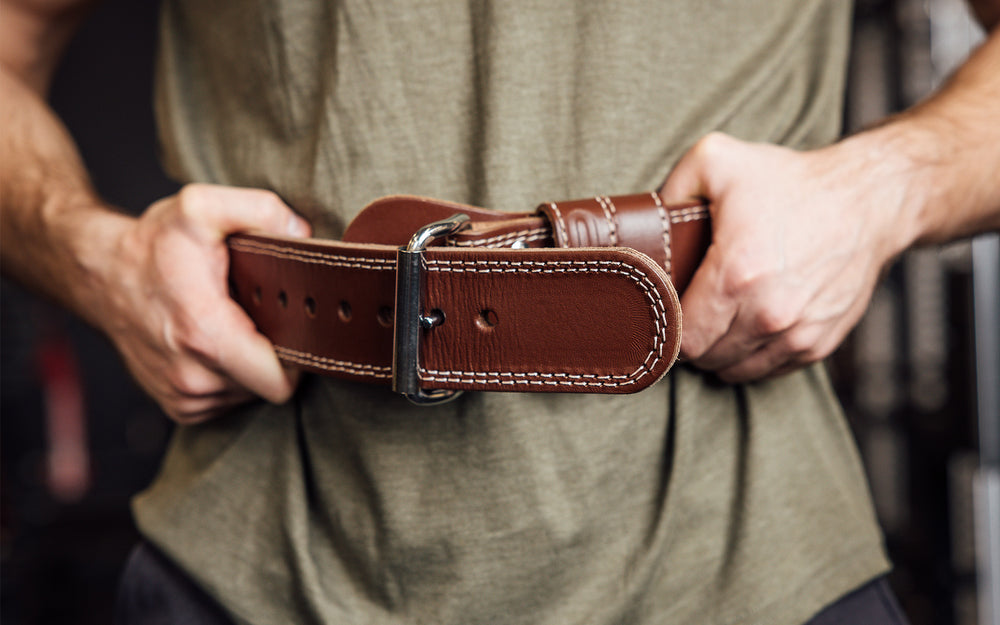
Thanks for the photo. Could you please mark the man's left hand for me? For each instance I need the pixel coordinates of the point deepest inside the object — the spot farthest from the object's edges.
(799, 241)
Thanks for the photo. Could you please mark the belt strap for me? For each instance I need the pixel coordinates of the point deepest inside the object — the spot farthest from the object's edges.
(575, 297)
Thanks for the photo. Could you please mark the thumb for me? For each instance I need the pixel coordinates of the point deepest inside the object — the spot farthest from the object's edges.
(248, 357)
(708, 313)
(223, 210)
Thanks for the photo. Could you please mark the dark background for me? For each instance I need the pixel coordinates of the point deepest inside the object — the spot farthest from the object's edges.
(904, 376)
(61, 553)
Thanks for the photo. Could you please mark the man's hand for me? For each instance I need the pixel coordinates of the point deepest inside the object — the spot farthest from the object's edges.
(162, 298)
(156, 285)
(799, 240)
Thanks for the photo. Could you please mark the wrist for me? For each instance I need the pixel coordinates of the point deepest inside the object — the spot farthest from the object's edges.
(888, 179)
(88, 234)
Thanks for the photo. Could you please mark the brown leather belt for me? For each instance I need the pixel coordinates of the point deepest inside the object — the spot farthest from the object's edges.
(579, 296)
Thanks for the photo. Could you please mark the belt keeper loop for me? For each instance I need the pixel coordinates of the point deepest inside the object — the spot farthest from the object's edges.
(410, 319)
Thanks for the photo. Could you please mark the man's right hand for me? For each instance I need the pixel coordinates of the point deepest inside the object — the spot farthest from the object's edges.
(156, 285)
(161, 296)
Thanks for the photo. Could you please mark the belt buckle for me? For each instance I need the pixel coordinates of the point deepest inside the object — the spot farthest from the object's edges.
(410, 319)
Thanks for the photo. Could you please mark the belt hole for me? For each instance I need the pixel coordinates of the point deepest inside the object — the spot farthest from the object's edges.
(283, 299)
(310, 305)
(487, 319)
(256, 296)
(344, 311)
(384, 316)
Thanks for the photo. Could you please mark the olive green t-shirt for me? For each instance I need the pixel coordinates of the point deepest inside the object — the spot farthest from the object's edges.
(691, 502)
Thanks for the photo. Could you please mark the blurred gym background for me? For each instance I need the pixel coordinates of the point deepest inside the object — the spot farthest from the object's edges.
(78, 439)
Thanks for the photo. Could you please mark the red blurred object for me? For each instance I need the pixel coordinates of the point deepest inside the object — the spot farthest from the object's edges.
(67, 457)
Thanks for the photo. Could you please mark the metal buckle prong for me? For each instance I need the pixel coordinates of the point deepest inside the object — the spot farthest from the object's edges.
(410, 318)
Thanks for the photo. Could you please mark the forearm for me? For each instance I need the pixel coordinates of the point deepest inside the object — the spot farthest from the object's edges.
(943, 156)
(56, 235)
(156, 284)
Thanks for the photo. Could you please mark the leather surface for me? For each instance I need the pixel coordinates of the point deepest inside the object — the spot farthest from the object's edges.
(599, 316)
(642, 222)
(674, 235)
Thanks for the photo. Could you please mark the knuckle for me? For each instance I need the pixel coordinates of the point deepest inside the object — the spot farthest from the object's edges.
(162, 205)
(189, 193)
(741, 278)
(808, 345)
(190, 199)
(743, 271)
(270, 208)
(261, 211)
(693, 354)
(799, 342)
(197, 341)
(815, 353)
(254, 208)
(270, 198)
(189, 381)
(702, 149)
(693, 345)
(710, 145)
(770, 320)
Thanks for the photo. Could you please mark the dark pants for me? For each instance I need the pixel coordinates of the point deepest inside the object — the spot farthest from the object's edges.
(155, 592)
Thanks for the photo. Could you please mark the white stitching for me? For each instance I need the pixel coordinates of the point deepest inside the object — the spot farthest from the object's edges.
(609, 215)
(562, 379)
(483, 266)
(665, 224)
(614, 216)
(560, 224)
(510, 244)
(685, 215)
(331, 260)
(316, 258)
(330, 364)
(511, 237)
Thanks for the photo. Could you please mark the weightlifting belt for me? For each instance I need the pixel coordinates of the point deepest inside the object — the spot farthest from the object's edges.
(578, 296)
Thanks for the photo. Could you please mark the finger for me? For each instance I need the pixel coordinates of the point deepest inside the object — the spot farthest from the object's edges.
(800, 345)
(733, 347)
(778, 357)
(708, 314)
(765, 361)
(198, 392)
(192, 411)
(765, 316)
(686, 180)
(222, 210)
(783, 351)
(695, 174)
(249, 358)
